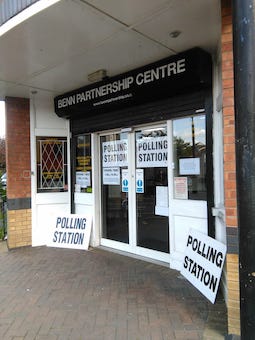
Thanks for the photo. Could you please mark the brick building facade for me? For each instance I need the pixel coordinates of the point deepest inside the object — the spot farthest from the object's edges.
(18, 172)
(230, 169)
(20, 113)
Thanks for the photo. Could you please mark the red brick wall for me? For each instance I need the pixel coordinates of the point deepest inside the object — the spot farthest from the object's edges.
(18, 147)
(229, 119)
(18, 171)
(233, 303)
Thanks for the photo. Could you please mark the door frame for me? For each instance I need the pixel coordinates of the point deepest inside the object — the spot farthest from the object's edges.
(205, 109)
(131, 247)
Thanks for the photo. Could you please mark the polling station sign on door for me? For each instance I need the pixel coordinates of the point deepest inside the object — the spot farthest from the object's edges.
(114, 157)
(114, 153)
(151, 152)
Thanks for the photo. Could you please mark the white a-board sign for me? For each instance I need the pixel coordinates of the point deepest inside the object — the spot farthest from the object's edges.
(70, 231)
(203, 262)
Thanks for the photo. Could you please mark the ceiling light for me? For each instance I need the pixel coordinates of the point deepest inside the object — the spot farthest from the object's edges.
(175, 34)
(97, 75)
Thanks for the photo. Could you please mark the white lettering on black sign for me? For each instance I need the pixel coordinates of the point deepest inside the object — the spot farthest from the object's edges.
(161, 72)
(149, 76)
(203, 262)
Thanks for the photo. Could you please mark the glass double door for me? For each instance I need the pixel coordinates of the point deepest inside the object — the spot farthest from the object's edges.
(134, 191)
(154, 188)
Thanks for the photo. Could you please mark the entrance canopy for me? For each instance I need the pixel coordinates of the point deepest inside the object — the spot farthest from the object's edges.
(53, 51)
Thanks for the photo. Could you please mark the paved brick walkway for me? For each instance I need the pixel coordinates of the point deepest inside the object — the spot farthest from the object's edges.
(48, 293)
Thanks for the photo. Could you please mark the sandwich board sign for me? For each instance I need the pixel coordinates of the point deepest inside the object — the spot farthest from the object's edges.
(203, 262)
(70, 231)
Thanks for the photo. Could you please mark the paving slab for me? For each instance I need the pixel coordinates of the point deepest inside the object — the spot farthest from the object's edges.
(52, 293)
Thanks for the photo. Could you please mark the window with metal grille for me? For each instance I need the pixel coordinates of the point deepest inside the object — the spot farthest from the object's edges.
(51, 164)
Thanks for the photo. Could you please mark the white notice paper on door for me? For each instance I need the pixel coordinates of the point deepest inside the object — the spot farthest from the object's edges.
(181, 188)
(189, 166)
(161, 207)
(111, 176)
(83, 178)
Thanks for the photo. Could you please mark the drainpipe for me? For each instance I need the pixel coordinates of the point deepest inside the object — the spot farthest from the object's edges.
(244, 75)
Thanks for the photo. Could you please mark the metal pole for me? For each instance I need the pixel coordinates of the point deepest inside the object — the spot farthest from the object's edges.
(244, 67)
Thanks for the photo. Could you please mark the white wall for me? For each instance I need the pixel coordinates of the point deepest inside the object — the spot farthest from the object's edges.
(44, 122)
(218, 152)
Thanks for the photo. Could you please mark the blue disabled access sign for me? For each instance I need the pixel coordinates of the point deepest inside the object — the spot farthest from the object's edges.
(124, 181)
(139, 181)
(125, 185)
(139, 186)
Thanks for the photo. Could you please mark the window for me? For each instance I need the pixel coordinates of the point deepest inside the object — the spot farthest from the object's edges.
(83, 168)
(189, 135)
(51, 164)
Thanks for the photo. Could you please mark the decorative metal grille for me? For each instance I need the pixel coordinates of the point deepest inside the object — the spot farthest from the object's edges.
(52, 164)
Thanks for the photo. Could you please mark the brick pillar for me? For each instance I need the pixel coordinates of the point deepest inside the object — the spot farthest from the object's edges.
(18, 172)
(233, 302)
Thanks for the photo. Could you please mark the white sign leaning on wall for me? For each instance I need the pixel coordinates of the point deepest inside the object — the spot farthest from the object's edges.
(70, 231)
(203, 262)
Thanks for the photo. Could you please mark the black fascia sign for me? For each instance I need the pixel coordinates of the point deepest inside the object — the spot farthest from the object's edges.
(178, 74)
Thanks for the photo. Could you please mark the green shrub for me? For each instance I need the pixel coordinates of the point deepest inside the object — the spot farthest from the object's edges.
(2, 193)
(2, 233)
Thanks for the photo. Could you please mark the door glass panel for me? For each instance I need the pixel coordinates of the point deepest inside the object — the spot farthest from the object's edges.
(189, 156)
(151, 189)
(114, 160)
(83, 165)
